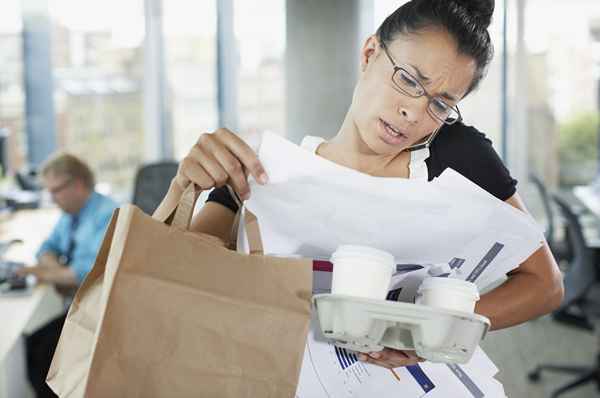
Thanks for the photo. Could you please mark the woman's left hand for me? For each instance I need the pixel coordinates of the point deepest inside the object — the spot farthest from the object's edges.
(390, 358)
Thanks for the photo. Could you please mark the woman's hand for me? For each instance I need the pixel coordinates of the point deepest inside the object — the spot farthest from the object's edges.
(221, 158)
(390, 358)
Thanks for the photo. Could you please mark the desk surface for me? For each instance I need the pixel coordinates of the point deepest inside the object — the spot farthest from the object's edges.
(32, 226)
(590, 199)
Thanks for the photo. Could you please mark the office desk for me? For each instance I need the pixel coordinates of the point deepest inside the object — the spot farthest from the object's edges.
(24, 314)
(590, 199)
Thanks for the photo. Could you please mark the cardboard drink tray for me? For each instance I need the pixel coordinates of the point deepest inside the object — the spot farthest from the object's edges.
(368, 325)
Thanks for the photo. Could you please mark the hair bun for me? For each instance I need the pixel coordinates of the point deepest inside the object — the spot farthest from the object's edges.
(481, 10)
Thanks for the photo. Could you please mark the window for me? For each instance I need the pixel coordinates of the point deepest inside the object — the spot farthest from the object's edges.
(260, 34)
(191, 67)
(564, 93)
(12, 96)
(97, 57)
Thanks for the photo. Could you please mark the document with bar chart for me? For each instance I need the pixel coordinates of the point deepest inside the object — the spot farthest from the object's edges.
(332, 372)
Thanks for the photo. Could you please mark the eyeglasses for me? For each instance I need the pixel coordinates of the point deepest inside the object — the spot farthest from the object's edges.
(406, 84)
(56, 190)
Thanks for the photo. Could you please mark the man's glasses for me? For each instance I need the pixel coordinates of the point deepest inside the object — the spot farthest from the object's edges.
(56, 190)
(406, 84)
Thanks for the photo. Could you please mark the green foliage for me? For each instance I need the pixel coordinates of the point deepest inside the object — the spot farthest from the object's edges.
(578, 149)
(578, 138)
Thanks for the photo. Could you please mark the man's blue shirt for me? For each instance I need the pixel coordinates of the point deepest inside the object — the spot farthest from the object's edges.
(92, 221)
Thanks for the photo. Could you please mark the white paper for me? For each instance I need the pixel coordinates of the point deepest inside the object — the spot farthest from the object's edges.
(328, 371)
(332, 372)
(463, 381)
(311, 206)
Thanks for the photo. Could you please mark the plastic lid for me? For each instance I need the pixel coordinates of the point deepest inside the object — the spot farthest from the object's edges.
(434, 282)
(362, 252)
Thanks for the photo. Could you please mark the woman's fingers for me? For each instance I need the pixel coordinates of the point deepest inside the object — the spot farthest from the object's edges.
(191, 170)
(221, 158)
(235, 171)
(390, 358)
(210, 165)
(244, 153)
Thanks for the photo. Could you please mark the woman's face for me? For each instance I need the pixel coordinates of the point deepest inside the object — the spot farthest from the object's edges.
(431, 57)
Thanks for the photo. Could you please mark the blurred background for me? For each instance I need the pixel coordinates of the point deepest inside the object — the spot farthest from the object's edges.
(127, 83)
(122, 83)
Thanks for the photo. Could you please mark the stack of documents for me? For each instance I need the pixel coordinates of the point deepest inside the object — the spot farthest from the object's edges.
(447, 227)
(329, 371)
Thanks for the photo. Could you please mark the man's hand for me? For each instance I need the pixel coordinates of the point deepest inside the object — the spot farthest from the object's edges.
(48, 260)
(390, 358)
(60, 276)
(39, 271)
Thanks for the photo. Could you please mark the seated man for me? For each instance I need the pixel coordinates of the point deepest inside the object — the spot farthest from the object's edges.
(68, 254)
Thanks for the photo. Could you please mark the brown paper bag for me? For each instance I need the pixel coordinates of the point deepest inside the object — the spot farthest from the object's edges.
(168, 313)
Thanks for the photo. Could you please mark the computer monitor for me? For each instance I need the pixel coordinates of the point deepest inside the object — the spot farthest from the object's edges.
(4, 133)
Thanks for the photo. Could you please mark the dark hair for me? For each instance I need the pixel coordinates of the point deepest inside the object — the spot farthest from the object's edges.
(466, 20)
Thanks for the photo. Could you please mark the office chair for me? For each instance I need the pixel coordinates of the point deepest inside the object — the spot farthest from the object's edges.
(152, 182)
(27, 196)
(560, 249)
(7, 244)
(582, 290)
(27, 180)
(4, 134)
(583, 275)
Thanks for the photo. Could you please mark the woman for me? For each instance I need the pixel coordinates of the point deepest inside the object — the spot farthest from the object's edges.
(425, 57)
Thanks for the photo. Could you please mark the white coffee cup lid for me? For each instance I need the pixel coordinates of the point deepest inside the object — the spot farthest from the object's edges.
(362, 252)
(465, 287)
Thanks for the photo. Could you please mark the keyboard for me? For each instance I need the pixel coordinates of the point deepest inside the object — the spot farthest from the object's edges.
(9, 281)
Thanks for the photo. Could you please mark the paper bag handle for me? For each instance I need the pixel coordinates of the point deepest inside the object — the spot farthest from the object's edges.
(252, 231)
(250, 223)
(181, 217)
(185, 208)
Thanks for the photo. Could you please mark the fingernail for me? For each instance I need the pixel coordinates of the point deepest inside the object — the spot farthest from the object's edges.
(375, 355)
(263, 178)
(246, 196)
(362, 357)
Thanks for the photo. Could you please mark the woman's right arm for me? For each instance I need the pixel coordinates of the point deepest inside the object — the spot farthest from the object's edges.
(217, 159)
